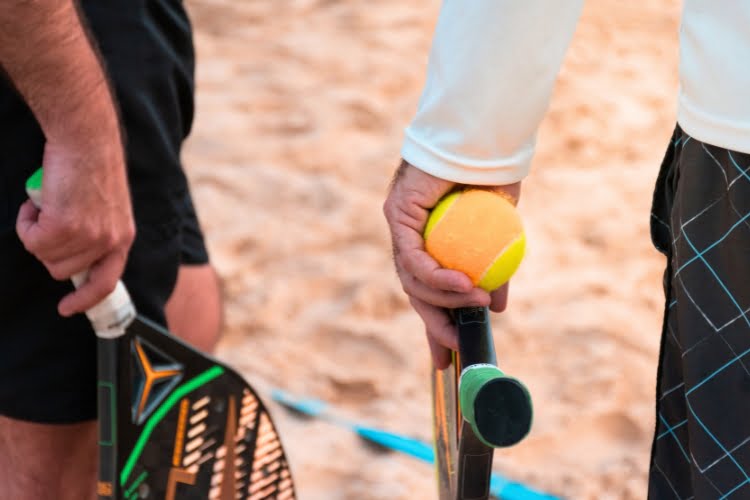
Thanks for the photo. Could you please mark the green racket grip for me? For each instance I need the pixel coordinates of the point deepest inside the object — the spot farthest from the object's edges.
(115, 312)
(497, 406)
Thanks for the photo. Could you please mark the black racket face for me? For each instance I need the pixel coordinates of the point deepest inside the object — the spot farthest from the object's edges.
(190, 428)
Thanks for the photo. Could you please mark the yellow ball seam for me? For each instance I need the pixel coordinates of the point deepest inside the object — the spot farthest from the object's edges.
(517, 245)
(438, 213)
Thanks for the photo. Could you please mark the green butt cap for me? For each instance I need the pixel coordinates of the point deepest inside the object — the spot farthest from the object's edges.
(498, 407)
(34, 183)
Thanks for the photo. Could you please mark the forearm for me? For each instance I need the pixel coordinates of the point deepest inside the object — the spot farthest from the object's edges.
(47, 54)
(492, 68)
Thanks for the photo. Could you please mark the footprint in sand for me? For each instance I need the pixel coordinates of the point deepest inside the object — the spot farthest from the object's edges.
(358, 365)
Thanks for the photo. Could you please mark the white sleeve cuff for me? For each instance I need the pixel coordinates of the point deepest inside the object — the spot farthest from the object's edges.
(486, 172)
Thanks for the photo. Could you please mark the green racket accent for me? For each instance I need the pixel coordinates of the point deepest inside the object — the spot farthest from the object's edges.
(161, 412)
(35, 181)
(112, 411)
(136, 483)
(497, 406)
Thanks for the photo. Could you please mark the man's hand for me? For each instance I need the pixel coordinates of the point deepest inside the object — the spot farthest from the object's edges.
(432, 289)
(85, 221)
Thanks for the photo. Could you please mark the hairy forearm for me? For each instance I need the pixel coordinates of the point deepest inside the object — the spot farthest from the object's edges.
(45, 50)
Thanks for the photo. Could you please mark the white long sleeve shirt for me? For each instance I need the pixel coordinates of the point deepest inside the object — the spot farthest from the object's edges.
(493, 65)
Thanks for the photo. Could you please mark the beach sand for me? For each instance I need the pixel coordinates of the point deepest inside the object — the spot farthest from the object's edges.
(301, 106)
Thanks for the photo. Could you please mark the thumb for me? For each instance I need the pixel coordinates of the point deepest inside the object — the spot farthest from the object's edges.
(499, 299)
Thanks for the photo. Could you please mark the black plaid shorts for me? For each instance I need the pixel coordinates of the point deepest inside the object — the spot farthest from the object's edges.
(701, 222)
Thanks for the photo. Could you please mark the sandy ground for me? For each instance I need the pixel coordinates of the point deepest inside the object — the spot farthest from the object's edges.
(301, 106)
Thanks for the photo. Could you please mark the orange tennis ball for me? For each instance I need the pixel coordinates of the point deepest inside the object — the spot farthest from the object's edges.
(478, 233)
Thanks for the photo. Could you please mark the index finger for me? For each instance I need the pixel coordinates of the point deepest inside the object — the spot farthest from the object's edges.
(409, 252)
(100, 282)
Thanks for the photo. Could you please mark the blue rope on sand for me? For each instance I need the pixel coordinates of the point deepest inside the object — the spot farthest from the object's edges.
(500, 487)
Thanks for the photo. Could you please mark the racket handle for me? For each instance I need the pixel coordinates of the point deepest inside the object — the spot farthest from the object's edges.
(497, 406)
(110, 317)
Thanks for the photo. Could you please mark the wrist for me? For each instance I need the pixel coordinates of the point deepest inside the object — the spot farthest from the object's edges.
(88, 118)
(55, 67)
(512, 192)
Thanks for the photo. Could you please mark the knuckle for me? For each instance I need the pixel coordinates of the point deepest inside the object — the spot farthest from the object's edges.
(129, 234)
(405, 260)
(398, 259)
(407, 285)
(413, 198)
(429, 280)
(389, 213)
(31, 246)
(57, 272)
(67, 227)
(388, 210)
(109, 240)
(410, 197)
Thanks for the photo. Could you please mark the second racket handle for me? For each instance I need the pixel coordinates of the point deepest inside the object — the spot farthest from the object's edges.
(497, 406)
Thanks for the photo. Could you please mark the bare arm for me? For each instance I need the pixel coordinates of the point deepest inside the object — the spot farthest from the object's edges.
(86, 219)
(48, 56)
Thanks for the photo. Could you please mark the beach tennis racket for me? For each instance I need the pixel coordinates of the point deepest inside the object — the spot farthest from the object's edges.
(174, 423)
(476, 408)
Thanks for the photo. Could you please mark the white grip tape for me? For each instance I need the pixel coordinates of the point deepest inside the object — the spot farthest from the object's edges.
(113, 314)
(35, 196)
